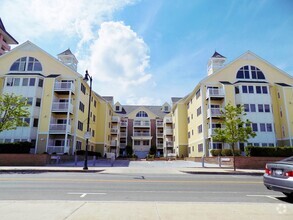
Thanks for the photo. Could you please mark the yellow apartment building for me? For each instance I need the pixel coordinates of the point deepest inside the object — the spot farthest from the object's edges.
(265, 91)
(58, 99)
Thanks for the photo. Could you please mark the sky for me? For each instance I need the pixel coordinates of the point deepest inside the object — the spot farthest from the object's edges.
(146, 51)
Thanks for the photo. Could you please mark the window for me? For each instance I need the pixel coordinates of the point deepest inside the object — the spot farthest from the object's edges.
(244, 89)
(136, 142)
(80, 126)
(200, 148)
(117, 108)
(250, 89)
(38, 102)
(95, 103)
(142, 114)
(246, 107)
(198, 111)
(25, 82)
(269, 127)
(254, 127)
(12, 81)
(267, 108)
(82, 88)
(188, 120)
(81, 106)
(197, 94)
(27, 120)
(236, 90)
(41, 82)
(264, 90)
(264, 144)
(199, 129)
(36, 122)
(32, 82)
(146, 143)
(260, 108)
(262, 127)
(94, 118)
(26, 64)
(249, 72)
(78, 145)
(258, 89)
(188, 134)
(252, 108)
(93, 133)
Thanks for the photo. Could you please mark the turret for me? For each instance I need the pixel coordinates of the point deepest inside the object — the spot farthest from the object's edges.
(68, 59)
(215, 63)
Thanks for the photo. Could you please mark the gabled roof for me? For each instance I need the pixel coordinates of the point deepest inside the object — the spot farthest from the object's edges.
(8, 38)
(217, 55)
(66, 52)
(157, 110)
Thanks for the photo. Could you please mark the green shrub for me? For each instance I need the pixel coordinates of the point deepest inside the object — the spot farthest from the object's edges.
(268, 151)
(16, 148)
(216, 152)
(226, 152)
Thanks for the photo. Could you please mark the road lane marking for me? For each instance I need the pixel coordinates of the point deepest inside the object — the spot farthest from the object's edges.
(268, 196)
(82, 195)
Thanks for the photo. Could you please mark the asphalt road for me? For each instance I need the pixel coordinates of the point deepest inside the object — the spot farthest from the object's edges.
(134, 187)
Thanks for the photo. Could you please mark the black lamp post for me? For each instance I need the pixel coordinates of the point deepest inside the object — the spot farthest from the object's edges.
(87, 135)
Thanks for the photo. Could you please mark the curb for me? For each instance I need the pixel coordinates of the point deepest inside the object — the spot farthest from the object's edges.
(224, 173)
(50, 171)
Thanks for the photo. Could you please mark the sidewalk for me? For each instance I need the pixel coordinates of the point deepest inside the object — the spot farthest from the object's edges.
(124, 166)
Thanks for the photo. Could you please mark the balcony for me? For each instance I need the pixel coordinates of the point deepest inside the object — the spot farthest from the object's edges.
(214, 112)
(168, 131)
(160, 145)
(57, 149)
(123, 134)
(160, 135)
(141, 134)
(215, 94)
(159, 123)
(62, 107)
(141, 123)
(115, 119)
(122, 145)
(168, 120)
(123, 124)
(59, 129)
(114, 143)
(64, 87)
(114, 130)
(169, 144)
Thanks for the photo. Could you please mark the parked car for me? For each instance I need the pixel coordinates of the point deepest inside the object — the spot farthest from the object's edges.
(279, 176)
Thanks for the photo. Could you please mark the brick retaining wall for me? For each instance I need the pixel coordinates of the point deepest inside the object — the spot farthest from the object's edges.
(24, 159)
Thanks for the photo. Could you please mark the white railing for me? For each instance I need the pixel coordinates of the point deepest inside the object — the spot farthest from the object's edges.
(113, 143)
(160, 145)
(123, 134)
(114, 130)
(214, 93)
(169, 144)
(141, 134)
(168, 120)
(214, 112)
(141, 123)
(57, 149)
(168, 132)
(115, 119)
(160, 134)
(62, 107)
(123, 123)
(59, 128)
(122, 145)
(160, 123)
(64, 86)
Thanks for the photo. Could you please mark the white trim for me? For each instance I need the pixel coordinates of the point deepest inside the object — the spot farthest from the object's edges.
(288, 122)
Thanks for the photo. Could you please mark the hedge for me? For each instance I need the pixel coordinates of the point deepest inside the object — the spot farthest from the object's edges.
(16, 148)
(224, 152)
(252, 151)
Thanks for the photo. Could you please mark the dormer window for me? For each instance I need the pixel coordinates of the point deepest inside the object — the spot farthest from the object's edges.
(250, 72)
(26, 64)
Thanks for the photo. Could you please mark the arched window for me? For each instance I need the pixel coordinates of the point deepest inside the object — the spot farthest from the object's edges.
(26, 64)
(142, 114)
(250, 72)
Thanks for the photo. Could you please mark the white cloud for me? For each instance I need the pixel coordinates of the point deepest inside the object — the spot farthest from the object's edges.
(119, 60)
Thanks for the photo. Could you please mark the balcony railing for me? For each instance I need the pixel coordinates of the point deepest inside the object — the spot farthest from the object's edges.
(168, 132)
(168, 120)
(214, 112)
(123, 123)
(64, 87)
(57, 149)
(59, 128)
(141, 124)
(169, 144)
(160, 145)
(114, 130)
(115, 119)
(62, 107)
(160, 135)
(123, 134)
(141, 134)
(114, 143)
(215, 93)
(122, 145)
(160, 123)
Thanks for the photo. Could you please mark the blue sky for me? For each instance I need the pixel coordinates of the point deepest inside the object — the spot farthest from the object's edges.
(147, 51)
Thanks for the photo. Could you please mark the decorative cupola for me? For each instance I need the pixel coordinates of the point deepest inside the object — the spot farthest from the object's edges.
(215, 63)
(5, 39)
(68, 59)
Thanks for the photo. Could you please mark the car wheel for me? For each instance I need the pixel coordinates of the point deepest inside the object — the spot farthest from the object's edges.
(289, 195)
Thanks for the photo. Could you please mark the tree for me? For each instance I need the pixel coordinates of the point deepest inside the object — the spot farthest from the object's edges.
(234, 129)
(129, 150)
(13, 109)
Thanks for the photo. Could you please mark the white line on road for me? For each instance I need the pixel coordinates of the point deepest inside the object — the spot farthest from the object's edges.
(84, 194)
(268, 196)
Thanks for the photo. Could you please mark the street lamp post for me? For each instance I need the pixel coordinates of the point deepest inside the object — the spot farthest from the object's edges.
(87, 135)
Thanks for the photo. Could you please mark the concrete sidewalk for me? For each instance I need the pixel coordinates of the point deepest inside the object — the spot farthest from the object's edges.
(135, 167)
(80, 210)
